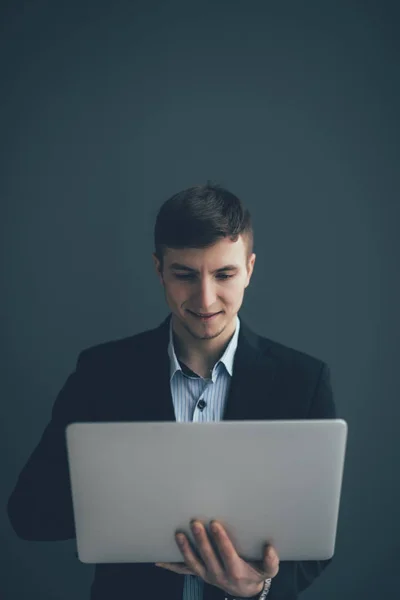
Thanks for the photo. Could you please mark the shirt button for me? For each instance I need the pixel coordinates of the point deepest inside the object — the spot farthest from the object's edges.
(201, 404)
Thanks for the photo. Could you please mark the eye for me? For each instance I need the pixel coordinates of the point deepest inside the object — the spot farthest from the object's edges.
(221, 276)
(184, 276)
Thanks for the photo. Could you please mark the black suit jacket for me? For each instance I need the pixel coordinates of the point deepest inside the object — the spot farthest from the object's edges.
(128, 380)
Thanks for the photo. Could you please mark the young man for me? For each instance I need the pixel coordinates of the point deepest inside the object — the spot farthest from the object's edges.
(201, 364)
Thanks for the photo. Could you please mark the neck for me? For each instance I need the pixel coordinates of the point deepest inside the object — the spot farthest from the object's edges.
(200, 355)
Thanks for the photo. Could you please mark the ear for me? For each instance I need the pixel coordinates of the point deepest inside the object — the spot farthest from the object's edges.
(157, 265)
(250, 268)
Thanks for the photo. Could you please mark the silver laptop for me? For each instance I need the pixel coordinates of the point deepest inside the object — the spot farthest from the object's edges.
(134, 484)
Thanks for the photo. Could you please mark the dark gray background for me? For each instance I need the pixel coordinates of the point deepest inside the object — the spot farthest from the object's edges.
(108, 109)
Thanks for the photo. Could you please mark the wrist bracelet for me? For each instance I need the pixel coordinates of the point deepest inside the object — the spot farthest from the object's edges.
(264, 592)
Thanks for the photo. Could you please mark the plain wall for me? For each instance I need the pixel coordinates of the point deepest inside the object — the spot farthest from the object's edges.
(110, 107)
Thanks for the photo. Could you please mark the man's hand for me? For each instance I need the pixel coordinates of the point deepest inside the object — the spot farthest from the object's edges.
(224, 569)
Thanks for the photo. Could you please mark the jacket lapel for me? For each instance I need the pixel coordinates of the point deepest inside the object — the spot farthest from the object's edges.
(155, 367)
(251, 392)
(140, 384)
(147, 392)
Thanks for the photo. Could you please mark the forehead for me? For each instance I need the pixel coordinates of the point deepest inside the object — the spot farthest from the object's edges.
(223, 252)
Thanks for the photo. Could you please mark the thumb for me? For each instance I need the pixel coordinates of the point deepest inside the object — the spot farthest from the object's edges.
(179, 568)
(271, 561)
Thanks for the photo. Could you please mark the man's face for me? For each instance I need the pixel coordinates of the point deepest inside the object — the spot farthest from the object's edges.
(199, 282)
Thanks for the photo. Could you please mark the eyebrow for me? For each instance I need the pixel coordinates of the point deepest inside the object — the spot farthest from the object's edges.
(179, 267)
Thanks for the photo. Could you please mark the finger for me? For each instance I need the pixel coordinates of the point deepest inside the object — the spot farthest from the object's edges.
(191, 560)
(179, 568)
(226, 549)
(271, 561)
(206, 551)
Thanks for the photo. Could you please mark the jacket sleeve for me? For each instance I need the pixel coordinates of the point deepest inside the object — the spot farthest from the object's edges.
(40, 506)
(295, 576)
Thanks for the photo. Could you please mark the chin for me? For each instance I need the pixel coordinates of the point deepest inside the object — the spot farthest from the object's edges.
(204, 336)
(207, 332)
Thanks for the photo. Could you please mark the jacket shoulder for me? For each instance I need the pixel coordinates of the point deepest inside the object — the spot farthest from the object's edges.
(303, 381)
(116, 350)
(289, 356)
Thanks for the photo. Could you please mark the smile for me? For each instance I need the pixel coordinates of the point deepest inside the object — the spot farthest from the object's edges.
(205, 316)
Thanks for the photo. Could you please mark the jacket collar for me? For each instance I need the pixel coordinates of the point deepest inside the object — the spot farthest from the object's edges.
(250, 396)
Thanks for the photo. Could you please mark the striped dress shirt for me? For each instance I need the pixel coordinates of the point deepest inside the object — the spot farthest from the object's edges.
(199, 400)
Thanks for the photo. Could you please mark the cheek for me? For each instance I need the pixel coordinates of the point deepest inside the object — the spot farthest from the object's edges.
(233, 292)
(175, 291)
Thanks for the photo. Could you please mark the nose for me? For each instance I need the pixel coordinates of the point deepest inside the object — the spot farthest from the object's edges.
(206, 296)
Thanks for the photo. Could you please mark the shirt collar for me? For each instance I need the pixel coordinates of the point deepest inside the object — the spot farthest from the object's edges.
(226, 359)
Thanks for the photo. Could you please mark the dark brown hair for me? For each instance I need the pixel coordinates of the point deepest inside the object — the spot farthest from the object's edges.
(198, 217)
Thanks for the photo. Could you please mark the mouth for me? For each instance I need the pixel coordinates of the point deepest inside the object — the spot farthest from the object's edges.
(204, 316)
